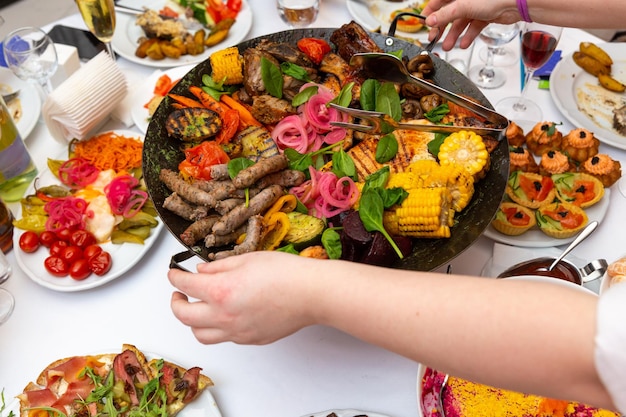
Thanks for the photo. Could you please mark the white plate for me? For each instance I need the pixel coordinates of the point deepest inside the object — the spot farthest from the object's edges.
(144, 93)
(203, 406)
(124, 256)
(570, 84)
(535, 238)
(377, 17)
(29, 100)
(345, 413)
(127, 33)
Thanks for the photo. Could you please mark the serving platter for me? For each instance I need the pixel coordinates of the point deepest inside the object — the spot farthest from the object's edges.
(535, 238)
(161, 151)
(579, 97)
(127, 33)
(345, 413)
(28, 100)
(144, 93)
(124, 256)
(374, 15)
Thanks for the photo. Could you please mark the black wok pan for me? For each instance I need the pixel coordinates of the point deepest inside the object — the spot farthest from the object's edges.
(161, 151)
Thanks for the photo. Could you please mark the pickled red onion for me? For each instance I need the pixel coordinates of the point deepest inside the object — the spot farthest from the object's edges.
(77, 173)
(123, 198)
(66, 213)
(325, 195)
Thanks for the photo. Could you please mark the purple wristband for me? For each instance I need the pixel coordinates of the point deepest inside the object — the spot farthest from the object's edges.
(522, 7)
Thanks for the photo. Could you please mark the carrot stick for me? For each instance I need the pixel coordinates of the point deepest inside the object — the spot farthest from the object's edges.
(208, 101)
(244, 114)
(185, 101)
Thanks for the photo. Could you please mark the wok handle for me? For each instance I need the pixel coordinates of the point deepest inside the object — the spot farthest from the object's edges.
(181, 257)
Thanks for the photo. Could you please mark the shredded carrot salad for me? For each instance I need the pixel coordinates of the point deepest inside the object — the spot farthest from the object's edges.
(110, 151)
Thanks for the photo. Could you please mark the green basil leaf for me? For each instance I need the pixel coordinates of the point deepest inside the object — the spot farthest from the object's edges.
(331, 241)
(343, 165)
(238, 164)
(369, 91)
(387, 148)
(435, 115)
(272, 78)
(295, 71)
(388, 101)
(304, 96)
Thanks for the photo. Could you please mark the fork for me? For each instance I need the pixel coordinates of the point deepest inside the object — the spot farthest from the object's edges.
(442, 413)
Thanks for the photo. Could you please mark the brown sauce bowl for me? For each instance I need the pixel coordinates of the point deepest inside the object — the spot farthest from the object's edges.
(564, 270)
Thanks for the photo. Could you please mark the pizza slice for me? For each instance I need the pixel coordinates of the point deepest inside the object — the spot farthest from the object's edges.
(112, 385)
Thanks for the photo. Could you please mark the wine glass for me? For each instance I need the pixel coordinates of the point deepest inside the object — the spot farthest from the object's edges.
(494, 35)
(298, 13)
(31, 55)
(99, 16)
(7, 301)
(538, 43)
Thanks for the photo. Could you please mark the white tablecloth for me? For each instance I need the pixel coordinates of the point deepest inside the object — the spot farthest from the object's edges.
(316, 369)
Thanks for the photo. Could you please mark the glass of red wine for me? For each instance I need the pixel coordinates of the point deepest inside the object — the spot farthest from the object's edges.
(538, 43)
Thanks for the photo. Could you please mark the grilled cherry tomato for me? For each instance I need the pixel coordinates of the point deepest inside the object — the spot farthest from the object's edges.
(71, 254)
(82, 238)
(91, 250)
(314, 48)
(200, 158)
(230, 124)
(58, 247)
(56, 266)
(80, 270)
(47, 238)
(100, 264)
(29, 241)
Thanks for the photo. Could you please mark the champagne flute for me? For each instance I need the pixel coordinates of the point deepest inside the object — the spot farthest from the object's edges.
(538, 43)
(31, 55)
(494, 35)
(99, 16)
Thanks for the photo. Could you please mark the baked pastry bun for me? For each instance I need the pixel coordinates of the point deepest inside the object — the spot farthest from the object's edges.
(580, 144)
(604, 168)
(513, 219)
(561, 220)
(515, 135)
(543, 137)
(530, 190)
(555, 162)
(578, 188)
(521, 159)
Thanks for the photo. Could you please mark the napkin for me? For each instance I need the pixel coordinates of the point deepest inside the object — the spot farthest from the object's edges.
(505, 256)
(85, 101)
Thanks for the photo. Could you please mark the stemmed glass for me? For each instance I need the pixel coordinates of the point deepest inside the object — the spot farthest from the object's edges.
(7, 302)
(298, 13)
(31, 55)
(99, 16)
(538, 43)
(494, 35)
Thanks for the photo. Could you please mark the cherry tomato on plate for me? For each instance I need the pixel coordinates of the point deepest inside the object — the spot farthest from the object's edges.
(57, 247)
(29, 241)
(47, 238)
(91, 250)
(82, 238)
(56, 266)
(80, 270)
(100, 264)
(71, 254)
(64, 234)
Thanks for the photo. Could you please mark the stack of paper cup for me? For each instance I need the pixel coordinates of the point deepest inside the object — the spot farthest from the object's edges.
(84, 101)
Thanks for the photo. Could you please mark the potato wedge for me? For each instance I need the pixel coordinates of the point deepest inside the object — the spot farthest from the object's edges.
(590, 64)
(596, 52)
(611, 83)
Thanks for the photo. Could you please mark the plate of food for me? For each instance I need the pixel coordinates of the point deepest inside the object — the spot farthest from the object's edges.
(127, 34)
(89, 374)
(26, 108)
(585, 103)
(345, 413)
(105, 226)
(377, 15)
(145, 99)
(163, 157)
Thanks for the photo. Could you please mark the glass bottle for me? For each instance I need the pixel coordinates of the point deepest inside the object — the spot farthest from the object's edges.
(17, 168)
(6, 228)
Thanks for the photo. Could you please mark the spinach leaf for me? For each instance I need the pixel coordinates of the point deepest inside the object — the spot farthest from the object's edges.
(369, 91)
(388, 101)
(304, 96)
(295, 71)
(345, 95)
(332, 243)
(272, 78)
(238, 164)
(435, 144)
(371, 210)
(288, 249)
(216, 89)
(298, 161)
(393, 196)
(343, 165)
(435, 115)
(378, 179)
(387, 148)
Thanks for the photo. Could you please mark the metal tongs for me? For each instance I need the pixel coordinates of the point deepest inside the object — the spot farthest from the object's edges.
(388, 67)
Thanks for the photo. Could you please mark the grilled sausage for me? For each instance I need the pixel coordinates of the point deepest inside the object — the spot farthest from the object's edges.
(246, 177)
(179, 206)
(198, 230)
(251, 242)
(187, 191)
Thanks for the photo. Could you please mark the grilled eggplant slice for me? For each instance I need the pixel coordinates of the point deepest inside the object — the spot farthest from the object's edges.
(193, 124)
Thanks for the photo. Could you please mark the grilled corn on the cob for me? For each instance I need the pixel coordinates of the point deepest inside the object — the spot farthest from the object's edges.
(426, 212)
(227, 66)
(468, 150)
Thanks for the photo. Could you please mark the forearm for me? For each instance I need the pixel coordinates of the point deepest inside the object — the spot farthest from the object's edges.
(523, 336)
(579, 13)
